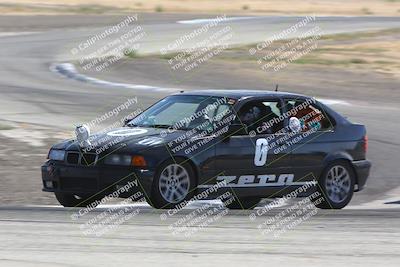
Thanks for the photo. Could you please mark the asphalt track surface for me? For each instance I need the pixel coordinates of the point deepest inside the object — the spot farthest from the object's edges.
(364, 234)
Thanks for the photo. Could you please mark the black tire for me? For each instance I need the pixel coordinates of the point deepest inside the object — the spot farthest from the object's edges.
(243, 203)
(71, 200)
(324, 200)
(157, 198)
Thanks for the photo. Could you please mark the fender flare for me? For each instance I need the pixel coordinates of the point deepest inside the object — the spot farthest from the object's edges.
(336, 156)
(340, 156)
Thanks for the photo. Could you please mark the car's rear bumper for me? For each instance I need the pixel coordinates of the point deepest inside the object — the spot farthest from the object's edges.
(362, 168)
(81, 180)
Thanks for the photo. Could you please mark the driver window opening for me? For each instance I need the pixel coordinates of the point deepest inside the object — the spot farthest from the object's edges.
(262, 117)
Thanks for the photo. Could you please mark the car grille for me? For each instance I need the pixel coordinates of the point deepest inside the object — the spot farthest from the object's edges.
(72, 158)
(85, 159)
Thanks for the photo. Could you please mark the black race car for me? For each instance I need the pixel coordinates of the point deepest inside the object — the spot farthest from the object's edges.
(202, 144)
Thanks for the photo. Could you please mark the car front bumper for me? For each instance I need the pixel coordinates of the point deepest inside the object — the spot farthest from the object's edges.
(82, 180)
(362, 169)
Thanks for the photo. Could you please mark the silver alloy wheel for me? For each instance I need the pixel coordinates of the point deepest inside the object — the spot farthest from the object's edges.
(174, 183)
(338, 184)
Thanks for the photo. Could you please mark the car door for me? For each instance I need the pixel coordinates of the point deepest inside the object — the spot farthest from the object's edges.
(313, 142)
(254, 157)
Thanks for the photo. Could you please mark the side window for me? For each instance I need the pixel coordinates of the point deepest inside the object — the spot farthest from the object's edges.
(216, 113)
(213, 117)
(262, 117)
(311, 116)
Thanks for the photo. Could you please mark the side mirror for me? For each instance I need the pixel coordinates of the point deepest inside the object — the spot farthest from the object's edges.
(295, 125)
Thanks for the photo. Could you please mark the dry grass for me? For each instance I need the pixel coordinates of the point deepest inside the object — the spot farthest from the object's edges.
(380, 56)
(377, 51)
(5, 127)
(321, 7)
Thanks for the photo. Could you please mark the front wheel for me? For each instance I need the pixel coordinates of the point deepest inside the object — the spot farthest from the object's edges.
(174, 183)
(71, 200)
(336, 186)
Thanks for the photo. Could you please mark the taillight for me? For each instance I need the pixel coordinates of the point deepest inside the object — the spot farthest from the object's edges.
(365, 144)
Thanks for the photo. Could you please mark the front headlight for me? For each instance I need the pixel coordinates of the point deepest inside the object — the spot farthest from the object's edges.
(56, 154)
(116, 159)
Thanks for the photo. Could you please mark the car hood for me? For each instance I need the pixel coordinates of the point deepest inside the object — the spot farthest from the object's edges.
(123, 138)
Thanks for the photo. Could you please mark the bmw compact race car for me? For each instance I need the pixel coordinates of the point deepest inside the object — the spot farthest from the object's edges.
(254, 144)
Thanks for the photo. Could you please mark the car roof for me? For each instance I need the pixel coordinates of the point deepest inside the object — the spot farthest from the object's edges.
(238, 94)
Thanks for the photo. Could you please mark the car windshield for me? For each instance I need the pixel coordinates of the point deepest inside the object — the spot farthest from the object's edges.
(183, 112)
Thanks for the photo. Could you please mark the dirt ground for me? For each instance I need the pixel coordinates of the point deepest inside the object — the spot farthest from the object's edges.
(290, 7)
(21, 157)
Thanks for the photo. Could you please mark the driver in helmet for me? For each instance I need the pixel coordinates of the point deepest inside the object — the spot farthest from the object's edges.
(251, 117)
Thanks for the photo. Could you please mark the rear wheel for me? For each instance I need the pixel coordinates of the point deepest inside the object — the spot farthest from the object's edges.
(173, 184)
(72, 200)
(243, 203)
(336, 186)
